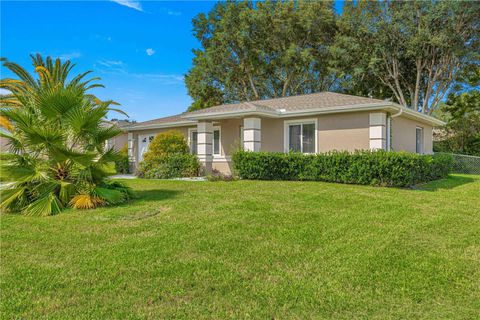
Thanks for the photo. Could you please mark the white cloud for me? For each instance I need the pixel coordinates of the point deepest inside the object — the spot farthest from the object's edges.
(163, 78)
(130, 4)
(70, 55)
(110, 63)
(119, 68)
(173, 13)
(150, 51)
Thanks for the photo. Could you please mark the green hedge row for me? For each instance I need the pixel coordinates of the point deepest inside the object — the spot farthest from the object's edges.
(392, 169)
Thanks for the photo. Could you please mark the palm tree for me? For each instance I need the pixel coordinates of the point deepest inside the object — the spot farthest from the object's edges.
(54, 129)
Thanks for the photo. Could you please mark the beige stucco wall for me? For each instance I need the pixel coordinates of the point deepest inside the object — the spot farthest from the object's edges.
(229, 135)
(404, 135)
(119, 141)
(341, 131)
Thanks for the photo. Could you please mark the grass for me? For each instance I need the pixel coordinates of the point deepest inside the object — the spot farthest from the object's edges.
(251, 249)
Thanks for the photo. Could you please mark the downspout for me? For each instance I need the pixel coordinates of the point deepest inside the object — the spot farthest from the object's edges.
(390, 127)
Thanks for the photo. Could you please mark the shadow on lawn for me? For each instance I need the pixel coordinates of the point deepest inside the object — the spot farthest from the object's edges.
(449, 183)
(155, 194)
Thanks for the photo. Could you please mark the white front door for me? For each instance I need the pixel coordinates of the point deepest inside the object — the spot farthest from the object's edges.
(143, 142)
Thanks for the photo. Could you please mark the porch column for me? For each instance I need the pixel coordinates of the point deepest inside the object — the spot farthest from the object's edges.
(204, 145)
(131, 151)
(378, 131)
(252, 130)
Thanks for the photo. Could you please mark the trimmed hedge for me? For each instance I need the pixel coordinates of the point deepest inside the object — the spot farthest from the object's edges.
(382, 168)
(169, 166)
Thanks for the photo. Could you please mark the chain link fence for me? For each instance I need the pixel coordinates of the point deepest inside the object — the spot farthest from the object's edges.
(465, 164)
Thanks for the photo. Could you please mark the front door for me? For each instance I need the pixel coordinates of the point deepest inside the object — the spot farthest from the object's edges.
(143, 142)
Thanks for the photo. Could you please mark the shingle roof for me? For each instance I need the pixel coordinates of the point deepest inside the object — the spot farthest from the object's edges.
(169, 119)
(293, 103)
(329, 101)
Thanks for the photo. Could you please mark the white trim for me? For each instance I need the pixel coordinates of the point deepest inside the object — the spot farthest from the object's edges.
(287, 123)
(189, 139)
(222, 159)
(185, 123)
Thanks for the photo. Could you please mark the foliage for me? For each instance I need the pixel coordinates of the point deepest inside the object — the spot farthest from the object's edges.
(168, 157)
(262, 50)
(168, 166)
(122, 165)
(166, 143)
(391, 169)
(56, 141)
(462, 132)
(415, 50)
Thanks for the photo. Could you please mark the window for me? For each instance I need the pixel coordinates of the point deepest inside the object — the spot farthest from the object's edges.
(193, 141)
(301, 136)
(216, 142)
(419, 140)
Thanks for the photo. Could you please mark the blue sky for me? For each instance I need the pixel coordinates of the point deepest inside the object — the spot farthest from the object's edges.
(141, 50)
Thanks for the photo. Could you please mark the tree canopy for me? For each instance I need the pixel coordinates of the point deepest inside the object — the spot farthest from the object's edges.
(411, 52)
(262, 50)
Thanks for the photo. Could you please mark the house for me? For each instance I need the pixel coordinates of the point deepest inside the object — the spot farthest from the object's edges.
(119, 141)
(311, 123)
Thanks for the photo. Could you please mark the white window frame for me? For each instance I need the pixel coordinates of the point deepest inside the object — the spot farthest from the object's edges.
(422, 140)
(286, 136)
(189, 139)
(216, 128)
(219, 154)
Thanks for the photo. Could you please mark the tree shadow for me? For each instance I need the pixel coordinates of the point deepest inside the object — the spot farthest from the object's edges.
(155, 194)
(448, 183)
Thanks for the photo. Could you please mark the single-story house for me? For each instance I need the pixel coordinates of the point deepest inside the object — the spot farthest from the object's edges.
(310, 123)
(119, 141)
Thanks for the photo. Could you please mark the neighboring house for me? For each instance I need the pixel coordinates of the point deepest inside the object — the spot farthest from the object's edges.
(311, 123)
(120, 140)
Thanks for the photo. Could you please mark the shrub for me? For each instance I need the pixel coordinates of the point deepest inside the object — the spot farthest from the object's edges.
(170, 166)
(393, 169)
(54, 128)
(122, 165)
(166, 143)
(168, 157)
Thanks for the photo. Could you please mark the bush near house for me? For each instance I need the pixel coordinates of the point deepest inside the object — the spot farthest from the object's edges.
(168, 157)
(122, 164)
(391, 169)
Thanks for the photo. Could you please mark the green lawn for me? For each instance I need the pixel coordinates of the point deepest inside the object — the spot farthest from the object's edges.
(251, 249)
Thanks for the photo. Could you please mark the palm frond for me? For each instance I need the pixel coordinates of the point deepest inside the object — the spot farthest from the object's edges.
(110, 196)
(66, 192)
(21, 73)
(46, 205)
(13, 199)
(86, 201)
